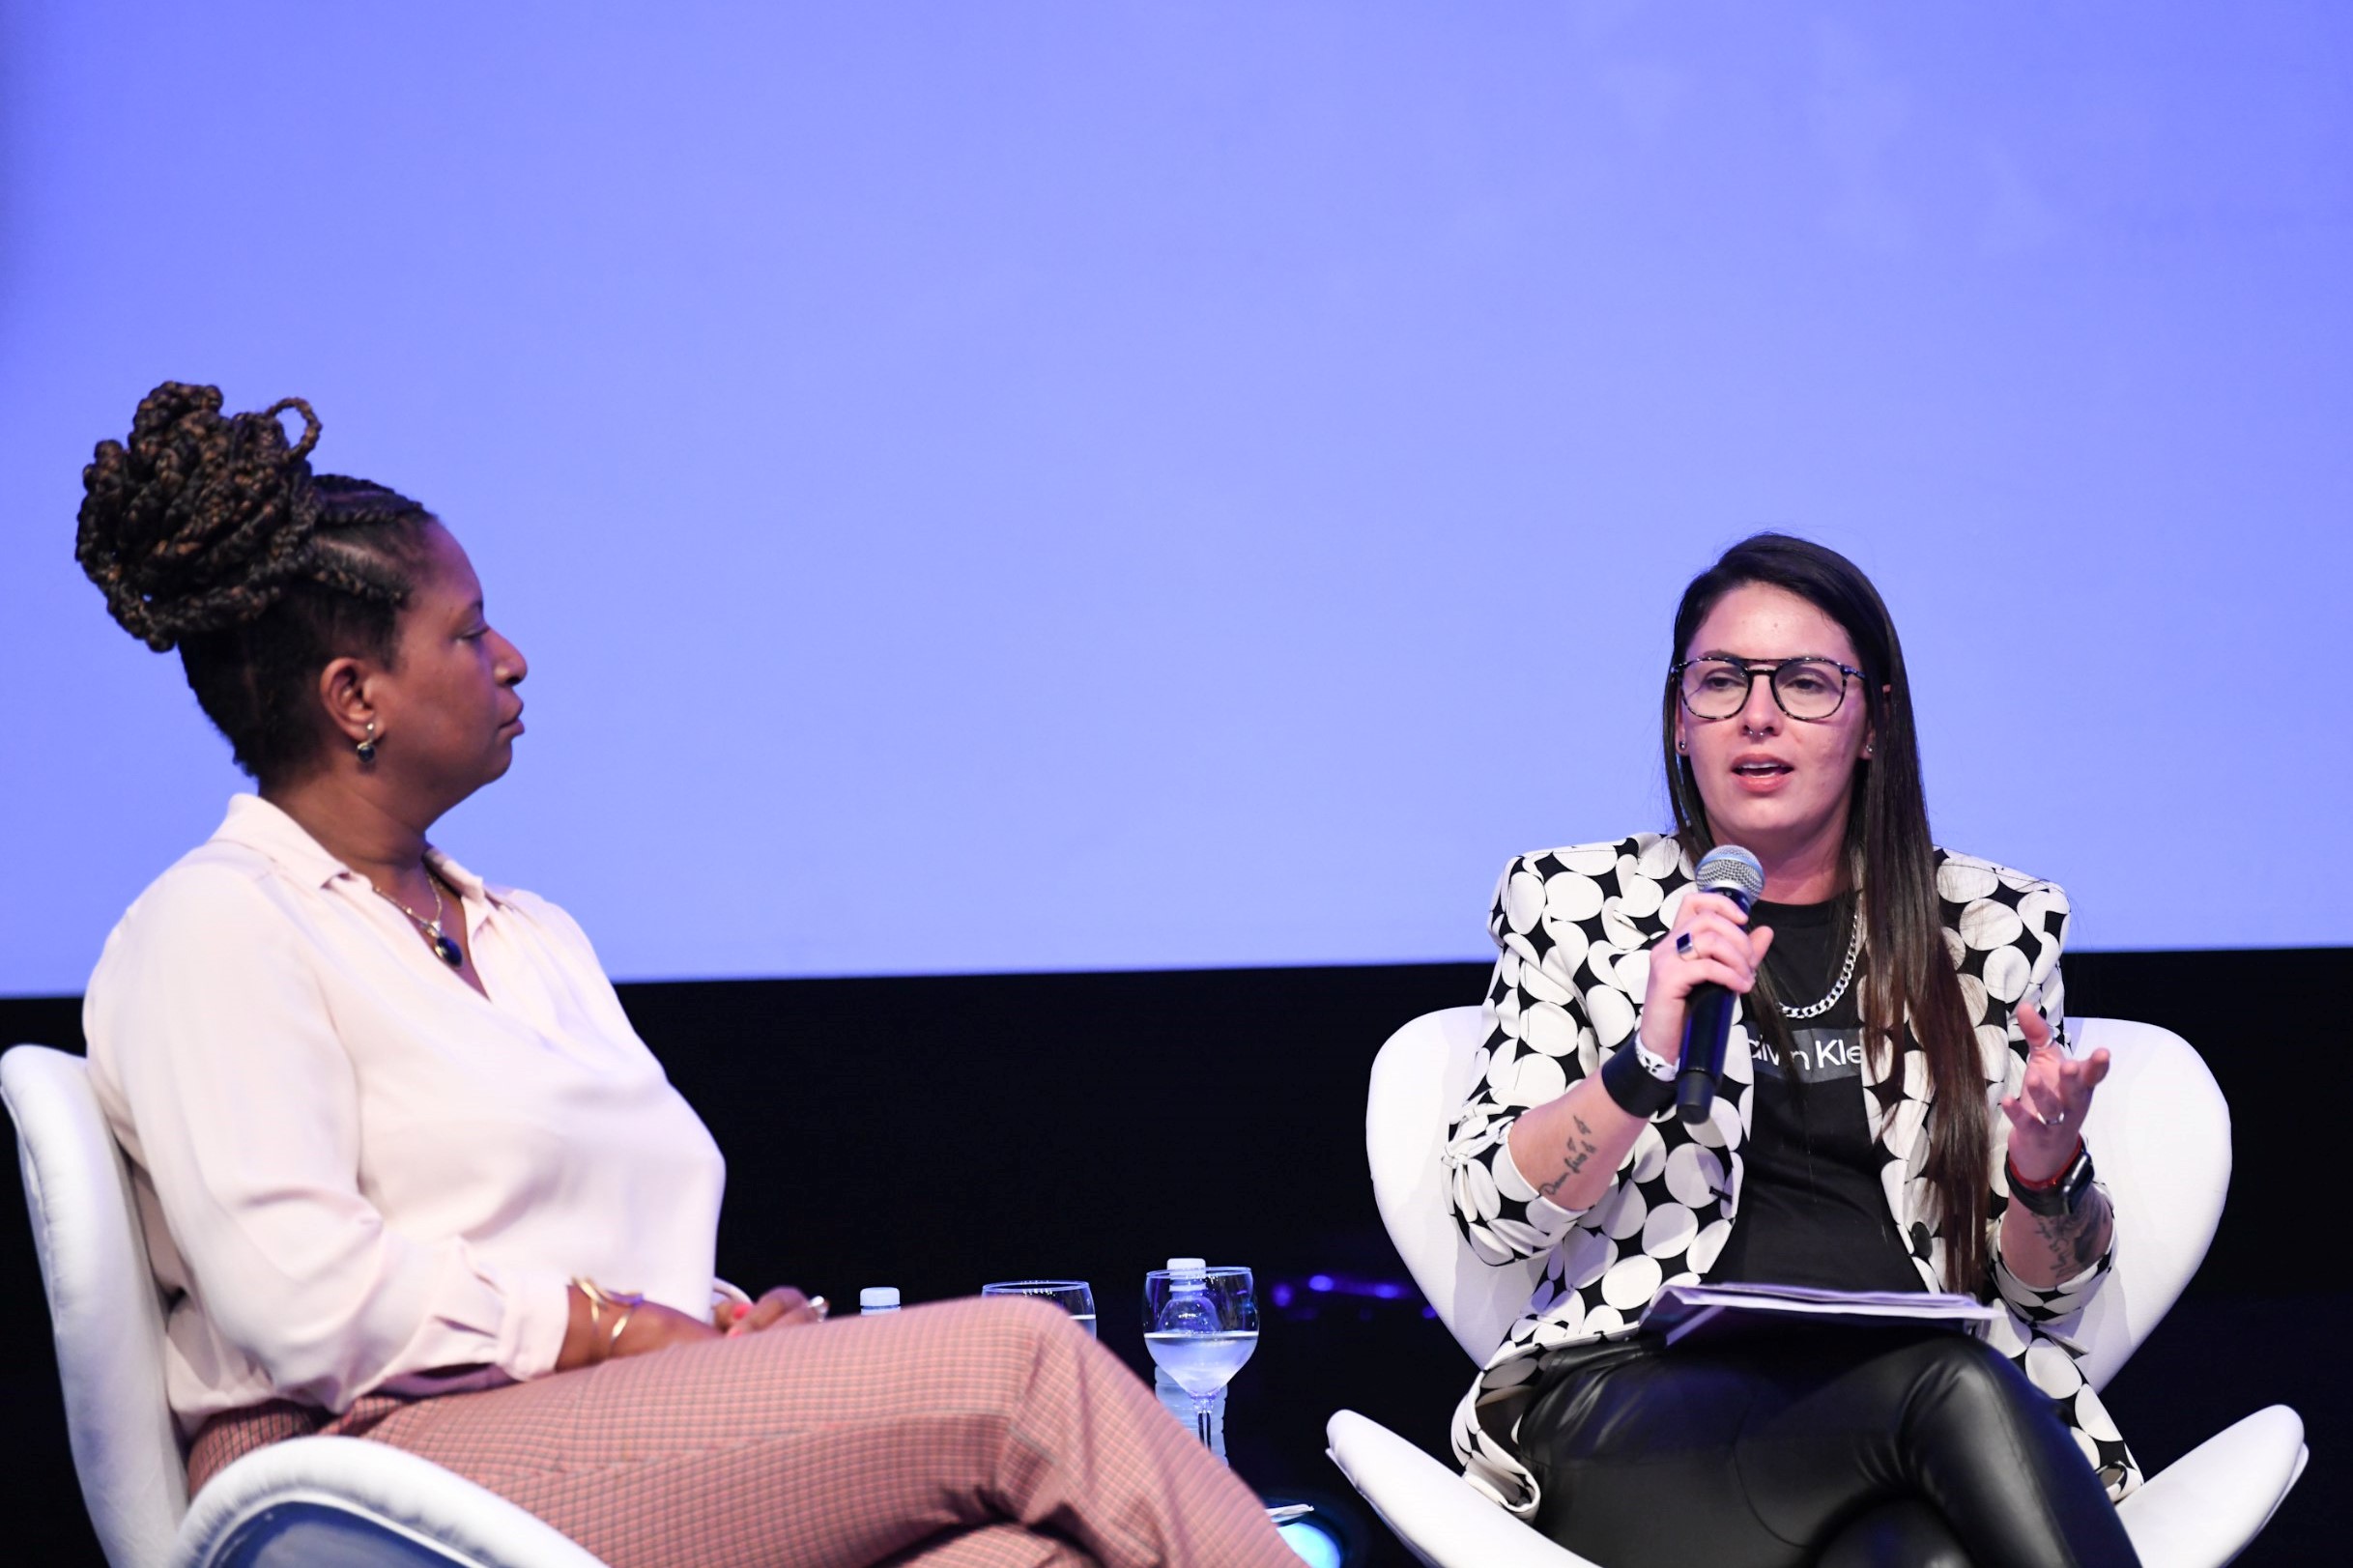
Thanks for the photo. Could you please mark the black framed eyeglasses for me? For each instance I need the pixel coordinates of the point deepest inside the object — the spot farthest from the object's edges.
(1808, 687)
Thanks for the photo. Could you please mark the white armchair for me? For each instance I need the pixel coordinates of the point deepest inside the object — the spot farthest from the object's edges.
(309, 1500)
(2160, 1132)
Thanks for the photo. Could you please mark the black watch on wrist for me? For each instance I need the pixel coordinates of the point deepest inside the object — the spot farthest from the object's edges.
(2063, 1196)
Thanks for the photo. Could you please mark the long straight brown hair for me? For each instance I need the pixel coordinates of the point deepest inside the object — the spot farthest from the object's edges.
(1891, 875)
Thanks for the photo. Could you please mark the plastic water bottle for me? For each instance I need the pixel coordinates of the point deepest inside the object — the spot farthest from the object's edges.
(879, 1298)
(1184, 1307)
(1179, 1404)
(1187, 1309)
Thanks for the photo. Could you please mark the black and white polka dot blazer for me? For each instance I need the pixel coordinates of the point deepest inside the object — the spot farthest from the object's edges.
(1574, 927)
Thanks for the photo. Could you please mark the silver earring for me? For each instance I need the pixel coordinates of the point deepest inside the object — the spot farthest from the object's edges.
(1682, 746)
(366, 746)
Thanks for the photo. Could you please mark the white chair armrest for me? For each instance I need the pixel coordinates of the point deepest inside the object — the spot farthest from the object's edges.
(1441, 1518)
(2201, 1510)
(398, 1492)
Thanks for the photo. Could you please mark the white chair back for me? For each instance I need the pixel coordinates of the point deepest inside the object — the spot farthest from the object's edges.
(1419, 1081)
(2160, 1135)
(2158, 1132)
(104, 1302)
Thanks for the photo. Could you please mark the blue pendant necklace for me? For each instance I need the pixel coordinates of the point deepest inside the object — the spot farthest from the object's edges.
(444, 948)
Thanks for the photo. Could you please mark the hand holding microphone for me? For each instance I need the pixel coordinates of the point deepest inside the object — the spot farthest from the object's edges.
(1707, 959)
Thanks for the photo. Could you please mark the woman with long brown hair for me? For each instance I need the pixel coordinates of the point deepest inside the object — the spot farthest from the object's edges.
(1900, 1112)
(407, 1173)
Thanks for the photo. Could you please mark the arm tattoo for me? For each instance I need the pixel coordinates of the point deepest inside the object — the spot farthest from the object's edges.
(1580, 1148)
(2073, 1240)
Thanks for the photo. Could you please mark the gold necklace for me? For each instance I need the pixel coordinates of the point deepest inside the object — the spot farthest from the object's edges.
(443, 948)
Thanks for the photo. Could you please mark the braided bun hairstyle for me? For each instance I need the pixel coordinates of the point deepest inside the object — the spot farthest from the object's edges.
(210, 534)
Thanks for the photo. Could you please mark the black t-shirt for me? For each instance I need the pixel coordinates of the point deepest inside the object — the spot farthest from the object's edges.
(1812, 1209)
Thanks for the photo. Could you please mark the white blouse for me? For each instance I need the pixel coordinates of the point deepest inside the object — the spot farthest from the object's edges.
(354, 1172)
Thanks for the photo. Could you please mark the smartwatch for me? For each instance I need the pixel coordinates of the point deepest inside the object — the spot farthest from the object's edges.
(2061, 1194)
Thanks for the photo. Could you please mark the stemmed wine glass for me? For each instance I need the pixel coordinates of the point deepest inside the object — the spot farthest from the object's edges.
(1200, 1325)
(1072, 1295)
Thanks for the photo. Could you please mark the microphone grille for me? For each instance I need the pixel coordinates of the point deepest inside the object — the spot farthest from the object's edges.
(1730, 869)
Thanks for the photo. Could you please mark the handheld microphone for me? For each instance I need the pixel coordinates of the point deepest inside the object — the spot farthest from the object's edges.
(1732, 872)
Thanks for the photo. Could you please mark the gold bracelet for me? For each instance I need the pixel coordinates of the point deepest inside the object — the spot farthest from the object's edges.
(625, 1303)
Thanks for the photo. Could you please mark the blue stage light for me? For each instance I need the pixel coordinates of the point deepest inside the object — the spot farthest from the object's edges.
(1316, 1546)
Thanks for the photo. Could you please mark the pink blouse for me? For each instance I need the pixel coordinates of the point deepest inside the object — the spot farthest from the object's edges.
(354, 1172)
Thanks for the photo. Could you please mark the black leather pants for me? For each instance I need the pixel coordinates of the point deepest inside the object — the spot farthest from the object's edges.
(1848, 1448)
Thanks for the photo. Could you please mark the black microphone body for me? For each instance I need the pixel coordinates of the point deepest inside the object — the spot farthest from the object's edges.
(1707, 1030)
(1731, 873)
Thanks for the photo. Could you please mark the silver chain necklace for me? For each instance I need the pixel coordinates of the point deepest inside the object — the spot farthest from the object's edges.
(1845, 975)
(451, 954)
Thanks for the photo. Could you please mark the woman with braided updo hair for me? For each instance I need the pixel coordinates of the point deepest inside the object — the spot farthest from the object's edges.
(407, 1174)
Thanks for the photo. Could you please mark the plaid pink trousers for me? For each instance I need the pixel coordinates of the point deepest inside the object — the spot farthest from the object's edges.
(974, 1434)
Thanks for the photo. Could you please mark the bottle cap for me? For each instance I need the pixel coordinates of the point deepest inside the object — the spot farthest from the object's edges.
(879, 1298)
(1187, 1266)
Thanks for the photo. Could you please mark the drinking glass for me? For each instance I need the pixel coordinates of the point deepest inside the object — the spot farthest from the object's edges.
(1072, 1295)
(1200, 1325)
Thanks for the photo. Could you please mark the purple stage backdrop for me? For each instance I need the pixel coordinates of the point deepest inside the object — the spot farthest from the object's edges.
(1100, 485)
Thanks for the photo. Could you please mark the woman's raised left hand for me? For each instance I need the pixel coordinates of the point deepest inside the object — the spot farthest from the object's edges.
(2047, 1113)
(782, 1306)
